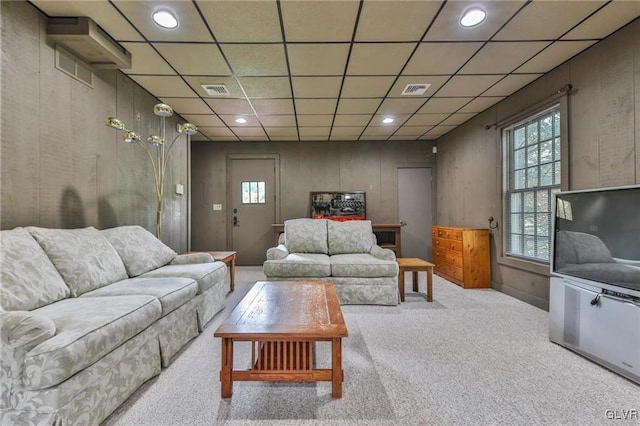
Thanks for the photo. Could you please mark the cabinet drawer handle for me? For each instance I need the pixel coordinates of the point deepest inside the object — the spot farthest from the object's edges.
(452, 246)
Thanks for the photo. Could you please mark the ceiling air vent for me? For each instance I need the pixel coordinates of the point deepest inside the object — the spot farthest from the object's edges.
(216, 89)
(82, 36)
(414, 89)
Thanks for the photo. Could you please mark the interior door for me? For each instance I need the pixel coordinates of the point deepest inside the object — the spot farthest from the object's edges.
(415, 209)
(253, 208)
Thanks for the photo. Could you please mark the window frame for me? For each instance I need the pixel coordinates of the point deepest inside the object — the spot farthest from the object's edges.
(535, 266)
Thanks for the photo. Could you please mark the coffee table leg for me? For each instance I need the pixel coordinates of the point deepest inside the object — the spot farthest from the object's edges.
(232, 272)
(430, 284)
(336, 368)
(226, 381)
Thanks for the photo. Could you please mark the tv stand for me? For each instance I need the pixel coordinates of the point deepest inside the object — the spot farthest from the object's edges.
(600, 325)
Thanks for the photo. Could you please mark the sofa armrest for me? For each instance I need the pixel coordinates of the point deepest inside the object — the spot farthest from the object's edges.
(276, 253)
(185, 259)
(628, 262)
(24, 329)
(382, 253)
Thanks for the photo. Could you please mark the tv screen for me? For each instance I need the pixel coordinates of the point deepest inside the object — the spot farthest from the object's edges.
(597, 236)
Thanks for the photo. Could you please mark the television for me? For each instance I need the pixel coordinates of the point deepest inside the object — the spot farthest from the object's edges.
(596, 238)
(339, 205)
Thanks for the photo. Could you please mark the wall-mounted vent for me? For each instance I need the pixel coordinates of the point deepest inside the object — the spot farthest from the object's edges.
(82, 36)
(69, 64)
(216, 89)
(414, 89)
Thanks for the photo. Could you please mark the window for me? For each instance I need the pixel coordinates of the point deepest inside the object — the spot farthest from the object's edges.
(532, 177)
(253, 193)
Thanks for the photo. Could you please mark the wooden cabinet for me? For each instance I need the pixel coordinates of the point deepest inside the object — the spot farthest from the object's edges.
(462, 255)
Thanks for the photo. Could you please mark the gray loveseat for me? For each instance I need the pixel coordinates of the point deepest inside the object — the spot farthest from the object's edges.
(344, 252)
(87, 316)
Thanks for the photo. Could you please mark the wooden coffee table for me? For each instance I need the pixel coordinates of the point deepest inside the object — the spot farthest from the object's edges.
(282, 320)
(415, 265)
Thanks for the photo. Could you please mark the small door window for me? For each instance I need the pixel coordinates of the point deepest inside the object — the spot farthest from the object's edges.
(253, 193)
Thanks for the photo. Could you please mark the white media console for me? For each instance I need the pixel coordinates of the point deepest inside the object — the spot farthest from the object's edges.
(604, 327)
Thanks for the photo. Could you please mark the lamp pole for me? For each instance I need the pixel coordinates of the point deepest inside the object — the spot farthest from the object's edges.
(160, 157)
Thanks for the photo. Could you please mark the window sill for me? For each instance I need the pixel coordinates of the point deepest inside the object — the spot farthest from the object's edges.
(524, 265)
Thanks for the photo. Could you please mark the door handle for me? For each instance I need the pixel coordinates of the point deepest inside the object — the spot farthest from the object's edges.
(403, 223)
(235, 221)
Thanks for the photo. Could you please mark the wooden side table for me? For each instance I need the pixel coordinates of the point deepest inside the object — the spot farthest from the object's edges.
(415, 265)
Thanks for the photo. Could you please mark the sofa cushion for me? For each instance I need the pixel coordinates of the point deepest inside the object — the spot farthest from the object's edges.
(84, 257)
(354, 236)
(299, 265)
(29, 279)
(87, 329)
(205, 274)
(172, 292)
(139, 249)
(306, 235)
(362, 265)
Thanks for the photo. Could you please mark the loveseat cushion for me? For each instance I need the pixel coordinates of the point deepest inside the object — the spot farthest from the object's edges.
(362, 265)
(354, 236)
(172, 292)
(87, 328)
(306, 235)
(299, 265)
(29, 279)
(139, 249)
(205, 274)
(83, 257)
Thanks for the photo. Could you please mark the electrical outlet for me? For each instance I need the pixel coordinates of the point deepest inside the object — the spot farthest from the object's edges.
(217, 207)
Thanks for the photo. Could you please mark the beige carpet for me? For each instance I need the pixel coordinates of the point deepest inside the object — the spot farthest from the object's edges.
(474, 357)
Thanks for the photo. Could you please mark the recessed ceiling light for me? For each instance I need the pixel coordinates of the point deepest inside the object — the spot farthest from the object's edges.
(387, 120)
(472, 17)
(241, 120)
(165, 19)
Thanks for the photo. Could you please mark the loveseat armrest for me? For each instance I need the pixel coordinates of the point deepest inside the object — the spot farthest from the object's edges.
(382, 253)
(276, 253)
(628, 262)
(188, 258)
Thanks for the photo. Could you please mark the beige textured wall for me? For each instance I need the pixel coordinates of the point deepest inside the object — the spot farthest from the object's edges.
(604, 146)
(60, 166)
(304, 167)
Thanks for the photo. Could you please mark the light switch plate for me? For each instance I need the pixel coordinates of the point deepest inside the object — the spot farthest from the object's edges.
(179, 189)
(217, 207)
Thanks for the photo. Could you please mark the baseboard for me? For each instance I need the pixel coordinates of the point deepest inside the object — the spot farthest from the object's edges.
(520, 295)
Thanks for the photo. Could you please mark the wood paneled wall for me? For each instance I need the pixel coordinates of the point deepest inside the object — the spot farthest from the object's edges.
(304, 167)
(604, 146)
(61, 167)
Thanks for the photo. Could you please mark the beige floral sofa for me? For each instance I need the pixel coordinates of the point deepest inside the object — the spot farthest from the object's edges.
(87, 316)
(344, 252)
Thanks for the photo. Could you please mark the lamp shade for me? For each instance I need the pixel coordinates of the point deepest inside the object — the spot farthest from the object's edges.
(155, 140)
(162, 110)
(188, 128)
(131, 137)
(115, 123)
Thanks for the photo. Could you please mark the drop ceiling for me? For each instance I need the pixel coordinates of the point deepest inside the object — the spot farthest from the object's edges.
(332, 70)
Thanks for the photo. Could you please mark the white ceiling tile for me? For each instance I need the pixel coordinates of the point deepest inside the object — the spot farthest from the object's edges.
(426, 119)
(443, 105)
(378, 58)
(314, 120)
(145, 60)
(440, 58)
(278, 132)
(242, 21)
(190, 25)
(230, 120)
(395, 20)
(358, 106)
(203, 120)
(281, 120)
(315, 106)
(249, 132)
(256, 59)
(408, 105)
(482, 103)
(438, 131)
(318, 20)
(347, 131)
(467, 85)
(398, 119)
(379, 130)
(194, 59)
(230, 83)
(366, 87)
(502, 58)
(164, 86)
(229, 106)
(554, 55)
(511, 84)
(614, 15)
(547, 20)
(272, 106)
(317, 59)
(213, 132)
(447, 26)
(458, 118)
(187, 105)
(413, 130)
(316, 87)
(314, 131)
(266, 87)
(352, 120)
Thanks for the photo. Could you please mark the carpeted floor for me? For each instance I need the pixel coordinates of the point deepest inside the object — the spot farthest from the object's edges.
(474, 357)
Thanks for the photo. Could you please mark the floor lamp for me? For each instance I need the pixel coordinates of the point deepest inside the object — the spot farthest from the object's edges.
(157, 150)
